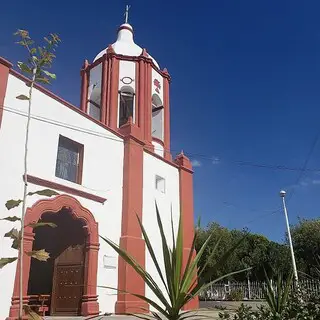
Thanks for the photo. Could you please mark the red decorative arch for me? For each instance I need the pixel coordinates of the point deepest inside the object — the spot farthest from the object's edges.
(90, 304)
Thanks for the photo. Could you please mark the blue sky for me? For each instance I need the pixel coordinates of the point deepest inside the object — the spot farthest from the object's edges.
(245, 87)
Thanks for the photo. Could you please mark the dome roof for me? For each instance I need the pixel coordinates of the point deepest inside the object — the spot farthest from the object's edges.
(125, 44)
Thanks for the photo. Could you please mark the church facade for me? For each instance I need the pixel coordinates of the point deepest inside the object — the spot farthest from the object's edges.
(109, 160)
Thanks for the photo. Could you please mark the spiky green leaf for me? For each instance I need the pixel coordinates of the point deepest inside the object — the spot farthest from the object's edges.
(5, 261)
(179, 280)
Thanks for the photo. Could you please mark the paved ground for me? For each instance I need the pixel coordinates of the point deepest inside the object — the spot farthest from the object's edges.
(207, 308)
(213, 314)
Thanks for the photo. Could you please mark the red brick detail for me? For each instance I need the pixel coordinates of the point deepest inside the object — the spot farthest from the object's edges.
(5, 67)
(131, 237)
(90, 304)
(186, 208)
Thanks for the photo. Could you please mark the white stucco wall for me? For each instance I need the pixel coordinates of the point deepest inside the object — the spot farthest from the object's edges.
(158, 148)
(102, 174)
(153, 167)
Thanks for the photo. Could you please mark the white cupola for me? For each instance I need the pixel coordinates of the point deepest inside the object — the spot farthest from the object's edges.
(125, 44)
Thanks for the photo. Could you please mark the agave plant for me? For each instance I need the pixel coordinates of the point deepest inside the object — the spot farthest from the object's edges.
(180, 282)
(277, 298)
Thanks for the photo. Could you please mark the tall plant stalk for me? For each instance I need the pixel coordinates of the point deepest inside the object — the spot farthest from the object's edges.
(25, 192)
(39, 60)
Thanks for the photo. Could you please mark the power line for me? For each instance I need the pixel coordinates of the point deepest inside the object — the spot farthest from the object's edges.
(191, 155)
(304, 168)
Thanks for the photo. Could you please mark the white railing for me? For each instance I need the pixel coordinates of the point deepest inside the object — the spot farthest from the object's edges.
(250, 290)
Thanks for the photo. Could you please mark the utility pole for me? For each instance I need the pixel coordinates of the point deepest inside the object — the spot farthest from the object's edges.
(282, 195)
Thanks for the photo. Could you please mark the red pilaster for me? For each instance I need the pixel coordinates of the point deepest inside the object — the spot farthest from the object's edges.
(148, 106)
(113, 98)
(166, 104)
(104, 86)
(14, 309)
(89, 305)
(5, 66)
(141, 95)
(84, 86)
(131, 237)
(186, 208)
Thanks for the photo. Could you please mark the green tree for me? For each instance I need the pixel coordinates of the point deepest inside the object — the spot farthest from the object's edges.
(255, 251)
(306, 244)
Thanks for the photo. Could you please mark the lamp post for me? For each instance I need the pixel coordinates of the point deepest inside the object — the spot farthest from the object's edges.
(282, 195)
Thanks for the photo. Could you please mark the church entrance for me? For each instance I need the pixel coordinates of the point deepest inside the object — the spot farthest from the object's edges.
(56, 286)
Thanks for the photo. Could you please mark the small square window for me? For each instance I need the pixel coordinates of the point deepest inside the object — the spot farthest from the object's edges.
(160, 184)
(69, 160)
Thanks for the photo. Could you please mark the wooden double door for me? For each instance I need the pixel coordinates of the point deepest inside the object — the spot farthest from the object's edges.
(68, 282)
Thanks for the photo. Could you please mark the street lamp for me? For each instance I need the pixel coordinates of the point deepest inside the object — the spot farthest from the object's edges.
(282, 195)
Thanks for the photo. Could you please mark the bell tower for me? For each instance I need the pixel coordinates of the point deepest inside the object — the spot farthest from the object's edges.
(125, 89)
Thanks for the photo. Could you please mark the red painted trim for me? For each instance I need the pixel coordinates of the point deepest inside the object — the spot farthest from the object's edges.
(137, 94)
(5, 66)
(166, 103)
(141, 95)
(108, 90)
(104, 84)
(65, 103)
(84, 86)
(6, 63)
(148, 104)
(90, 304)
(146, 59)
(95, 63)
(131, 236)
(186, 209)
(63, 188)
(114, 87)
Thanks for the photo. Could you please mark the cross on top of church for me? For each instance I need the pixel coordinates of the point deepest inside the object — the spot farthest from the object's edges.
(126, 14)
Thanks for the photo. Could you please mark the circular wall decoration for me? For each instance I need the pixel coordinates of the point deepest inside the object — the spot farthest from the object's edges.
(126, 80)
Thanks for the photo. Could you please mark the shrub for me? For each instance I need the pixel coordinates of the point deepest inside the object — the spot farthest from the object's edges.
(235, 295)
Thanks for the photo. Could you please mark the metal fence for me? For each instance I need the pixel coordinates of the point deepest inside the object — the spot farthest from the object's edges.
(250, 290)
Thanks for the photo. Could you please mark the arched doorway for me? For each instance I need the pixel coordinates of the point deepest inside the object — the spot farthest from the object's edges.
(61, 279)
(69, 277)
